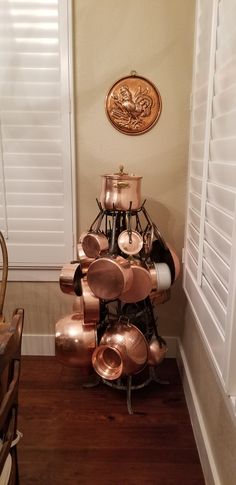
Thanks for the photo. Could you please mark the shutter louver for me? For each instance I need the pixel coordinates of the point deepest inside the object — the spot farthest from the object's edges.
(35, 186)
(210, 230)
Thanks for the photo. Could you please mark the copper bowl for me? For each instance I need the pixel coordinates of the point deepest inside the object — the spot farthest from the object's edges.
(75, 342)
(123, 351)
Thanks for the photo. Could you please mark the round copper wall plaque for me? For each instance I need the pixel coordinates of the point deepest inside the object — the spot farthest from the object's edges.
(133, 105)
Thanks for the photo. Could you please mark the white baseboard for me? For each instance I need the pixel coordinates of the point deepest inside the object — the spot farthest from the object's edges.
(200, 433)
(36, 344)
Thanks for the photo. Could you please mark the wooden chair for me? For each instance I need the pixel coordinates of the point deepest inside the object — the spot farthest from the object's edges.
(10, 355)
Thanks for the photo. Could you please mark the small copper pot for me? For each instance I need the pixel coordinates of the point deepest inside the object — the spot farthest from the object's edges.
(156, 351)
(160, 275)
(94, 244)
(70, 278)
(141, 285)
(123, 350)
(109, 276)
(130, 242)
(75, 342)
(83, 259)
(90, 304)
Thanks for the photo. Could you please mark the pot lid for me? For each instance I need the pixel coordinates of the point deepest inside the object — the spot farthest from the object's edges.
(121, 174)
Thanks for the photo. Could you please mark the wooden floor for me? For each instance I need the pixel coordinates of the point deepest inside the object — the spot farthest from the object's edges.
(74, 435)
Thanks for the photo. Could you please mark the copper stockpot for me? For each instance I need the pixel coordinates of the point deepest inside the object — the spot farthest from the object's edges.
(75, 342)
(141, 285)
(156, 351)
(123, 350)
(121, 191)
(70, 278)
(109, 276)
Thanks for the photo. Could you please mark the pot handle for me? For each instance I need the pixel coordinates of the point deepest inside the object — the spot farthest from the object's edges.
(97, 221)
(113, 234)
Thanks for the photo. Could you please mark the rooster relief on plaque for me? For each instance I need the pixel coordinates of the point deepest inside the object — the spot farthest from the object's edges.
(133, 105)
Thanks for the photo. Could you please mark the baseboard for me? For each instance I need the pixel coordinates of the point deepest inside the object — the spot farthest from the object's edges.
(200, 433)
(45, 345)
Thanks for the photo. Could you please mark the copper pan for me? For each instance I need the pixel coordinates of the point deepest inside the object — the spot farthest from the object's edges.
(160, 297)
(95, 242)
(175, 261)
(160, 275)
(123, 350)
(70, 278)
(109, 276)
(130, 242)
(90, 304)
(75, 342)
(157, 351)
(83, 259)
(141, 285)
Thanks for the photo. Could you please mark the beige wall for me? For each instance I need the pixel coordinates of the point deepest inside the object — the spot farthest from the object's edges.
(220, 426)
(111, 38)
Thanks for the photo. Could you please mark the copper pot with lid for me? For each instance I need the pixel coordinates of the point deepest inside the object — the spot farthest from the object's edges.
(121, 191)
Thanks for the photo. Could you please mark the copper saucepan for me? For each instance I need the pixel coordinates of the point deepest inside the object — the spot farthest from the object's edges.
(123, 350)
(109, 276)
(129, 241)
(83, 259)
(95, 242)
(156, 351)
(70, 278)
(141, 285)
(160, 275)
(75, 342)
(90, 304)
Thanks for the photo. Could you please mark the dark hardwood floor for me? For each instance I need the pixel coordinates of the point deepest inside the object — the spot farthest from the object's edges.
(74, 435)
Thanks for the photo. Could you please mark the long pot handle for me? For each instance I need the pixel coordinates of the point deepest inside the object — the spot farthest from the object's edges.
(113, 234)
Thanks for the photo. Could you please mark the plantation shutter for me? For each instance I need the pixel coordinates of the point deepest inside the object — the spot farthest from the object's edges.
(210, 247)
(36, 190)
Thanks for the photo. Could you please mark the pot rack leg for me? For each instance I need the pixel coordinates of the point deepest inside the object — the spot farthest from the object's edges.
(128, 394)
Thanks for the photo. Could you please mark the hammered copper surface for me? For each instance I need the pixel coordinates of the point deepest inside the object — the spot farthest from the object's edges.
(133, 105)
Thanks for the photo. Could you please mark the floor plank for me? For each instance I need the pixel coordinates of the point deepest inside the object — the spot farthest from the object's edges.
(74, 435)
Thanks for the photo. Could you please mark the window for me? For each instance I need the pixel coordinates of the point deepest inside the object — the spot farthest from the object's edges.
(210, 247)
(36, 137)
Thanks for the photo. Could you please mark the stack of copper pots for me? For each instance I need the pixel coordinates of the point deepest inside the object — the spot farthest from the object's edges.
(123, 258)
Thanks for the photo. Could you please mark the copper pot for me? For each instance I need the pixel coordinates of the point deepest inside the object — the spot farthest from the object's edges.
(123, 350)
(75, 342)
(109, 276)
(90, 304)
(130, 242)
(70, 278)
(175, 261)
(83, 259)
(156, 351)
(121, 191)
(94, 244)
(141, 285)
(160, 275)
